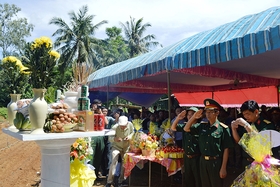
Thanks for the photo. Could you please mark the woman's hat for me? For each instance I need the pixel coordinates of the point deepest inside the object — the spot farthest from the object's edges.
(193, 109)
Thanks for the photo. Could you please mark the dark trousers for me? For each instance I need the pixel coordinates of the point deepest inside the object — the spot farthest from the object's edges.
(210, 172)
(97, 144)
(234, 157)
(191, 173)
(106, 157)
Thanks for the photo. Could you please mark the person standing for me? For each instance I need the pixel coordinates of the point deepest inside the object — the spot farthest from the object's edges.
(250, 111)
(214, 142)
(106, 157)
(120, 145)
(191, 149)
(178, 135)
(97, 142)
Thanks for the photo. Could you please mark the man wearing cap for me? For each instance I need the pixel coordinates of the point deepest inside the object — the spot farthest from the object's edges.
(191, 149)
(120, 145)
(250, 111)
(97, 142)
(214, 142)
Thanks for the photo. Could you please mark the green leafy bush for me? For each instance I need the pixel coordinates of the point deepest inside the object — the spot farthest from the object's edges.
(4, 112)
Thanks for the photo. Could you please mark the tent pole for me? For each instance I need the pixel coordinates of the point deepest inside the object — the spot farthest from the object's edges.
(277, 90)
(169, 94)
(107, 99)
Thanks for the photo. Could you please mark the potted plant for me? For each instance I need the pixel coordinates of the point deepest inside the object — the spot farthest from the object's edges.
(15, 82)
(41, 59)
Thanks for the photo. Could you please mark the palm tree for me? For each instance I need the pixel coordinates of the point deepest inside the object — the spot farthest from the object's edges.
(134, 32)
(76, 42)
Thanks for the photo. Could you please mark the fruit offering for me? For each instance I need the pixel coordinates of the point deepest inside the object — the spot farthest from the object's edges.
(149, 143)
(171, 152)
(60, 120)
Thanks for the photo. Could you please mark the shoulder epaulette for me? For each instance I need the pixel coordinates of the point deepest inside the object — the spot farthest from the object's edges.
(223, 125)
(266, 121)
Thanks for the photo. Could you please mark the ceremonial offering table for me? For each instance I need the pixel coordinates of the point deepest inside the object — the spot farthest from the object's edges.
(55, 152)
(172, 165)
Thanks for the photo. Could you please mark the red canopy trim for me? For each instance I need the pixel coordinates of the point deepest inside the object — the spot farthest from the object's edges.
(210, 71)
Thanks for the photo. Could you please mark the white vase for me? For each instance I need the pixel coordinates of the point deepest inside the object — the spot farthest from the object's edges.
(38, 109)
(11, 109)
(71, 99)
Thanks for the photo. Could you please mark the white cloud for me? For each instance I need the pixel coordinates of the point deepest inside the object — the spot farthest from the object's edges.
(171, 21)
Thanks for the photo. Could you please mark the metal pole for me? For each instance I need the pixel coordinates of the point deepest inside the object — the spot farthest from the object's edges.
(150, 166)
(169, 93)
(278, 95)
(107, 99)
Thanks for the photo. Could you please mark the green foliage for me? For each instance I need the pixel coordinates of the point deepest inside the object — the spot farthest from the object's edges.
(13, 30)
(50, 95)
(115, 47)
(4, 112)
(134, 35)
(62, 78)
(75, 42)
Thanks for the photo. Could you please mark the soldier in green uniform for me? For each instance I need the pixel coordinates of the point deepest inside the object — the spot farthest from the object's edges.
(214, 142)
(191, 149)
(250, 111)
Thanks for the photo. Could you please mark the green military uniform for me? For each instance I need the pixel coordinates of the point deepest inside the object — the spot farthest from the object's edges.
(261, 124)
(97, 144)
(191, 158)
(213, 140)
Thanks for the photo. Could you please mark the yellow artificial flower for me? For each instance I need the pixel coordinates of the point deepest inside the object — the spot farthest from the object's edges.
(54, 54)
(75, 145)
(39, 42)
(23, 68)
(10, 59)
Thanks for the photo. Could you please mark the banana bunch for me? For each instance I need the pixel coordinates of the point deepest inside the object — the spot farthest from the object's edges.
(21, 122)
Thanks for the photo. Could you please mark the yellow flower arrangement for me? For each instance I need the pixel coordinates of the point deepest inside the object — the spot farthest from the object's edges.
(41, 42)
(261, 172)
(80, 150)
(41, 60)
(16, 74)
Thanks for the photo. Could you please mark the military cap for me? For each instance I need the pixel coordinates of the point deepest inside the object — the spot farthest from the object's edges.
(212, 104)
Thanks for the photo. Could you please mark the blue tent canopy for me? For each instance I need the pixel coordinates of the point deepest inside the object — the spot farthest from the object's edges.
(241, 54)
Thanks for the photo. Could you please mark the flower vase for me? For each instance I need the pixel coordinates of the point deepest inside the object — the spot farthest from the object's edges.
(11, 109)
(38, 109)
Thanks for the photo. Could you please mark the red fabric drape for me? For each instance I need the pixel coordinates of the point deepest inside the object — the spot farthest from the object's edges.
(232, 98)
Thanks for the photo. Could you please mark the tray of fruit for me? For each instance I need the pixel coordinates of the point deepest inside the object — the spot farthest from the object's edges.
(59, 120)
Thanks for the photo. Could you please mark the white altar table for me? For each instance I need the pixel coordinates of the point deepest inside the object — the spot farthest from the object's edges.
(55, 151)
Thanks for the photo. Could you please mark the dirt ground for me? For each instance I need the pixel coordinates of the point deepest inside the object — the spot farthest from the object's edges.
(20, 166)
(19, 161)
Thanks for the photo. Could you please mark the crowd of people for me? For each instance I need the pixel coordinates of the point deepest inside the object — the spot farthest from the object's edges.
(208, 135)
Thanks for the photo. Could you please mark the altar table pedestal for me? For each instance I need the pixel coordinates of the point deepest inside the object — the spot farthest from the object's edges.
(55, 151)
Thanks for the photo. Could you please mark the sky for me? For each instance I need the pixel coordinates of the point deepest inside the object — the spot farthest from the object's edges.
(171, 20)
